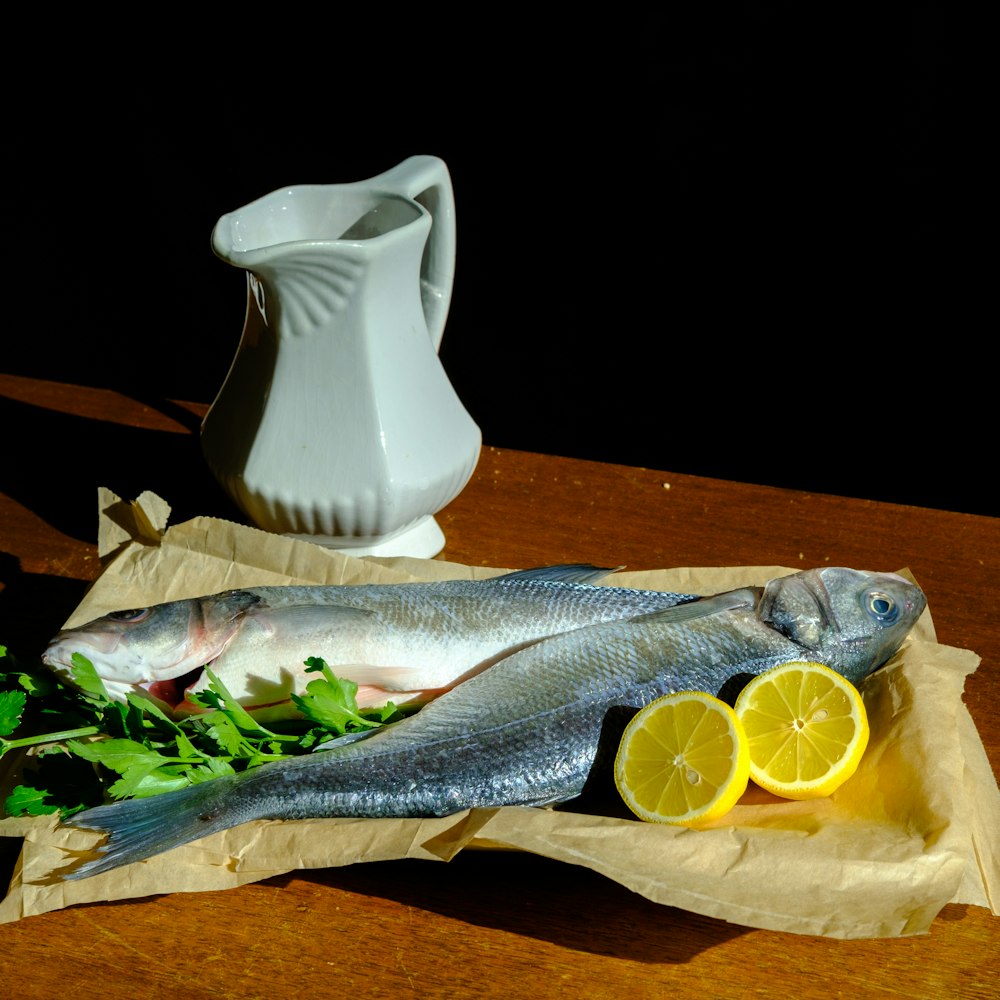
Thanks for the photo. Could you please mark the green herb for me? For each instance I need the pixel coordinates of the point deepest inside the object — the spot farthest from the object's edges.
(330, 701)
(87, 748)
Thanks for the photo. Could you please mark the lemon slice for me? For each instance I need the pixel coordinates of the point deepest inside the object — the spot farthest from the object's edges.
(682, 759)
(806, 728)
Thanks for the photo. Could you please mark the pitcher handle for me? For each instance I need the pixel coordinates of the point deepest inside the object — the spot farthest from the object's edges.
(426, 180)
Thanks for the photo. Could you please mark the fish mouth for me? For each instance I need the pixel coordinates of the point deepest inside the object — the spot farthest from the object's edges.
(174, 692)
(58, 654)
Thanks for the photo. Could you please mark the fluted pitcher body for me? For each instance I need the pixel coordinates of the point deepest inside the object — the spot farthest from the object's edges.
(337, 422)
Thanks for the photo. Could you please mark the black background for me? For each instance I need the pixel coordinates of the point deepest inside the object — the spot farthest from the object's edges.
(735, 243)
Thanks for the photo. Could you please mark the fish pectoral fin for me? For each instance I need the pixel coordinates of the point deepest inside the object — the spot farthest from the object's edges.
(400, 685)
(704, 607)
(370, 696)
(307, 617)
(384, 678)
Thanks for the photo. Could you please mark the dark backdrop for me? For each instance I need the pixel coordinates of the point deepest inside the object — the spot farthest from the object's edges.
(732, 244)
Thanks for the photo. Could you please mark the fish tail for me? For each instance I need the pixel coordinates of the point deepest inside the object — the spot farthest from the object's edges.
(139, 828)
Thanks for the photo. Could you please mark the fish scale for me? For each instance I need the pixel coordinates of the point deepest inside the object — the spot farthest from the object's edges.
(529, 730)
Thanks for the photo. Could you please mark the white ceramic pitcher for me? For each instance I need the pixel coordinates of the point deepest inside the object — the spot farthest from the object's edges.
(336, 422)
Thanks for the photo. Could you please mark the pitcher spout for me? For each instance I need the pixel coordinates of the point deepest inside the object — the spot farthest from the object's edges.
(317, 214)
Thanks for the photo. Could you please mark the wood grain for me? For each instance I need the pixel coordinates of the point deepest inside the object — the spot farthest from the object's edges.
(487, 924)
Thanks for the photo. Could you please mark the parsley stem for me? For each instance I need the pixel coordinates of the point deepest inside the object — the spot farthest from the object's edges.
(66, 734)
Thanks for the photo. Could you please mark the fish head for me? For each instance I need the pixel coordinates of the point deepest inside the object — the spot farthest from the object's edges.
(141, 649)
(852, 620)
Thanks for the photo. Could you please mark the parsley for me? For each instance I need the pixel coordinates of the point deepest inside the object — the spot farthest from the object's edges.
(83, 748)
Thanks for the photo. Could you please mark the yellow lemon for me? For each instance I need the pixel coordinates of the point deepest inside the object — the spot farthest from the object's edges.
(806, 728)
(683, 759)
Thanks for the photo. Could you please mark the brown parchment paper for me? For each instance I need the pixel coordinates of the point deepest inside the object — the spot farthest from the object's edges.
(914, 829)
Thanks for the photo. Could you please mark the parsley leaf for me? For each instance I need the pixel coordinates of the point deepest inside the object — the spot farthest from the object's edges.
(81, 747)
(11, 707)
(330, 701)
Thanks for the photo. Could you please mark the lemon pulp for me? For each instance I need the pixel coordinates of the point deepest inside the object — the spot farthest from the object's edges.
(806, 729)
(683, 759)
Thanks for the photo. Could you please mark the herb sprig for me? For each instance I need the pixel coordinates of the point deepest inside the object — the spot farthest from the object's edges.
(85, 748)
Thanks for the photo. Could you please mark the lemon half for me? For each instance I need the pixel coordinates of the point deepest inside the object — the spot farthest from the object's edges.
(806, 729)
(683, 759)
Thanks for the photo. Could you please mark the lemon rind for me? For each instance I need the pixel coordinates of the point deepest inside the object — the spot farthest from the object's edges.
(841, 770)
(729, 790)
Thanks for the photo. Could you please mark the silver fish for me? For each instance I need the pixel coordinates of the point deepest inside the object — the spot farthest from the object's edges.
(536, 726)
(404, 643)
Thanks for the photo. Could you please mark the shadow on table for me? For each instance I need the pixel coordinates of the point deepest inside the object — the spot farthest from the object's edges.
(79, 454)
(33, 607)
(535, 897)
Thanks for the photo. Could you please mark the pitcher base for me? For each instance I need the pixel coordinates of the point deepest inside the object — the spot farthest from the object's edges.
(423, 539)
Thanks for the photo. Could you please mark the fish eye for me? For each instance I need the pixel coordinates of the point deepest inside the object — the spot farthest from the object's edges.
(131, 616)
(881, 607)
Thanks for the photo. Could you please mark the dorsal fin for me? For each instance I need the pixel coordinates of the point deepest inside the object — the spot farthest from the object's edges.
(563, 573)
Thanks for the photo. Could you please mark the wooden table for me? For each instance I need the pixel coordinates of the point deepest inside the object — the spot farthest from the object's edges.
(486, 924)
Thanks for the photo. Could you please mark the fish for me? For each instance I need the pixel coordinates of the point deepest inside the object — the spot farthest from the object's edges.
(399, 642)
(536, 727)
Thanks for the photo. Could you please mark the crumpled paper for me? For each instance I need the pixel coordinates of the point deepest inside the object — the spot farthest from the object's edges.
(914, 829)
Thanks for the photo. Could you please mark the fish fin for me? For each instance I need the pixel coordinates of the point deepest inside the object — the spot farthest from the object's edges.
(370, 696)
(343, 739)
(300, 616)
(381, 678)
(566, 573)
(703, 607)
(141, 828)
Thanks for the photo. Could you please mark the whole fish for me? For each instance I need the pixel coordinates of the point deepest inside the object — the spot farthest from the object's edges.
(530, 730)
(401, 642)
